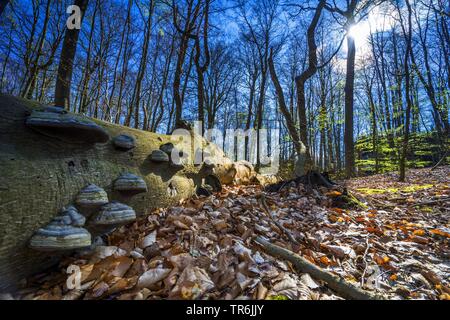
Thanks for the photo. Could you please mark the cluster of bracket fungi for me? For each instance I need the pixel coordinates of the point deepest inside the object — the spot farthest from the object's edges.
(93, 214)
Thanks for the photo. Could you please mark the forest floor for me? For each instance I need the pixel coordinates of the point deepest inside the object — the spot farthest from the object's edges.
(396, 246)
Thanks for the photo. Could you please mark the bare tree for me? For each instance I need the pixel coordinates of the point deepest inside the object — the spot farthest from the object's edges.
(64, 78)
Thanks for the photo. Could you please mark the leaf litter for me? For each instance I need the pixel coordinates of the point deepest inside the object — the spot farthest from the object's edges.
(203, 249)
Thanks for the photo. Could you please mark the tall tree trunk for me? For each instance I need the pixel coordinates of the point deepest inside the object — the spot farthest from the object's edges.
(87, 66)
(116, 65)
(136, 100)
(191, 18)
(306, 75)
(290, 123)
(408, 50)
(3, 4)
(349, 93)
(201, 69)
(65, 69)
(31, 82)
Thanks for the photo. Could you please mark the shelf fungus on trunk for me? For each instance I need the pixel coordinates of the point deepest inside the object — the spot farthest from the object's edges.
(159, 156)
(130, 184)
(170, 150)
(67, 127)
(72, 217)
(91, 197)
(124, 142)
(167, 148)
(63, 233)
(114, 214)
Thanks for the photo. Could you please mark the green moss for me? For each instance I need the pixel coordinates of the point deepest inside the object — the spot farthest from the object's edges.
(424, 151)
(410, 189)
(278, 297)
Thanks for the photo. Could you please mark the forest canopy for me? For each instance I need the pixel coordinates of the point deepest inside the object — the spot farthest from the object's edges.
(380, 76)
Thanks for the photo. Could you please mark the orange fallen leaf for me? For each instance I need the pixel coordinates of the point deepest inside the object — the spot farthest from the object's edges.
(375, 230)
(338, 210)
(419, 232)
(334, 194)
(381, 260)
(394, 277)
(440, 233)
(325, 260)
(444, 296)
(360, 219)
(419, 239)
(333, 218)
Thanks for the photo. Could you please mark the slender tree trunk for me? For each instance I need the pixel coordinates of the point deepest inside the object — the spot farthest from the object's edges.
(136, 100)
(290, 123)
(306, 75)
(349, 93)
(31, 82)
(87, 67)
(64, 77)
(3, 4)
(201, 69)
(408, 50)
(116, 65)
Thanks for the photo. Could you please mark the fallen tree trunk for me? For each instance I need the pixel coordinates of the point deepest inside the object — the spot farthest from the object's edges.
(40, 174)
(336, 283)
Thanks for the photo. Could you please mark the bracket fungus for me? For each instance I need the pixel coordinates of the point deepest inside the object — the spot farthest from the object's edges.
(129, 183)
(159, 156)
(92, 197)
(64, 232)
(167, 148)
(124, 142)
(114, 214)
(71, 216)
(67, 127)
(60, 238)
(55, 109)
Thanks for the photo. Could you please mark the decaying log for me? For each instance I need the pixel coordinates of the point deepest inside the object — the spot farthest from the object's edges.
(336, 283)
(40, 174)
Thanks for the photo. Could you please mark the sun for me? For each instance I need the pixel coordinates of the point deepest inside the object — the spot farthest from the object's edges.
(360, 33)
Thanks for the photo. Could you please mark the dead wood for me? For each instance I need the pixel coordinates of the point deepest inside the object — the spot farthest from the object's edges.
(262, 201)
(336, 283)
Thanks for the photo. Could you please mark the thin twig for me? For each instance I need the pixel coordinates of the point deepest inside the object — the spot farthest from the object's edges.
(365, 262)
(262, 201)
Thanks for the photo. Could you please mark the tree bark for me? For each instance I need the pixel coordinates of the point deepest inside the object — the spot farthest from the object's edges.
(408, 50)
(306, 75)
(290, 124)
(349, 93)
(65, 69)
(3, 4)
